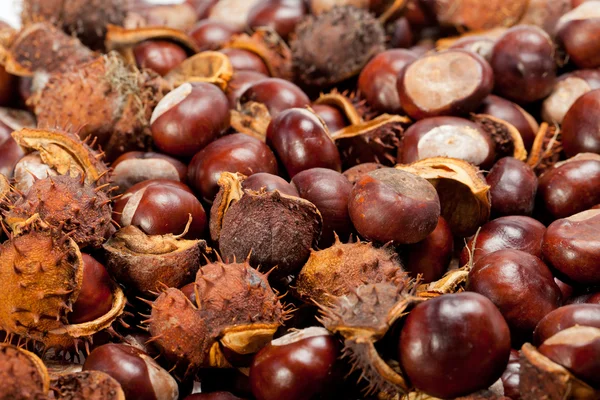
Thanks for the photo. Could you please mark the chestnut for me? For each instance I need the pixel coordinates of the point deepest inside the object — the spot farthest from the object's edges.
(276, 94)
(240, 81)
(393, 205)
(447, 137)
(161, 207)
(510, 232)
(577, 31)
(513, 187)
(301, 141)
(161, 56)
(328, 190)
(245, 60)
(568, 88)
(8, 86)
(510, 376)
(280, 15)
(232, 153)
(268, 182)
(10, 150)
(95, 297)
(523, 64)
(452, 82)
(211, 35)
(377, 80)
(454, 345)
(481, 45)
(282, 369)
(570, 187)
(400, 34)
(572, 246)
(202, 7)
(520, 285)
(565, 317)
(188, 118)
(430, 257)
(578, 350)
(139, 375)
(581, 125)
(334, 119)
(358, 171)
(137, 166)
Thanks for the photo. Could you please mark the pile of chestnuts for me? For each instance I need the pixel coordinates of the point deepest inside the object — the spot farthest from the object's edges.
(300, 200)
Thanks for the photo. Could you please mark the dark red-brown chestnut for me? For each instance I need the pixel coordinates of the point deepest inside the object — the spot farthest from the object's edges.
(565, 317)
(279, 15)
(211, 35)
(137, 166)
(161, 56)
(513, 187)
(95, 298)
(276, 94)
(581, 125)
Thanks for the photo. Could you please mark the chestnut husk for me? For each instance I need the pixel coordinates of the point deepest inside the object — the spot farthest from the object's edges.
(88, 385)
(546, 150)
(23, 374)
(507, 138)
(208, 66)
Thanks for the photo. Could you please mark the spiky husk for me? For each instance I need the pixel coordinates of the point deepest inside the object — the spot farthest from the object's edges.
(104, 99)
(343, 267)
(69, 204)
(23, 375)
(88, 385)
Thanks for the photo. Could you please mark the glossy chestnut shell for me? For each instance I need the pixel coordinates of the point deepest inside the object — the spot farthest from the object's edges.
(95, 297)
(160, 56)
(565, 317)
(581, 125)
(513, 187)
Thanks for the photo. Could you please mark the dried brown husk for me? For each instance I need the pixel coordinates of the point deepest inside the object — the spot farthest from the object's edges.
(4, 188)
(376, 141)
(479, 15)
(542, 378)
(546, 150)
(88, 385)
(23, 375)
(252, 119)
(208, 66)
(342, 103)
(507, 138)
(104, 99)
(43, 47)
(123, 41)
(144, 263)
(453, 281)
(270, 47)
(464, 194)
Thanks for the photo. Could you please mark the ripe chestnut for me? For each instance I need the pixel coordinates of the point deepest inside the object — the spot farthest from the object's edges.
(10, 150)
(572, 246)
(332, 116)
(161, 56)
(188, 118)
(452, 82)
(240, 81)
(301, 141)
(568, 88)
(244, 60)
(282, 369)
(510, 377)
(202, 7)
(8, 86)
(232, 153)
(523, 64)
(280, 15)
(136, 166)
(577, 31)
(454, 345)
(160, 207)
(139, 375)
(520, 285)
(377, 80)
(269, 183)
(328, 190)
(95, 298)
(393, 205)
(276, 94)
(581, 125)
(513, 187)
(565, 317)
(211, 35)
(514, 115)
(481, 45)
(400, 34)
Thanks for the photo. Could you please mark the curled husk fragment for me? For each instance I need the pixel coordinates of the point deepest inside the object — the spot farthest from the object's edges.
(143, 263)
(88, 385)
(23, 375)
(104, 99)
(251, 118)
(542, 378)
(234, 308)
(546, 149)
(376, 141)
(86, 19)
(342, 103)
(4, 188)
(479, 15)
(270, 47)
(464, 194)
(208, 66)
(339, 269)
(276, 230)
(66, 203)
(363, 318)
(507, 138)
(335, 45)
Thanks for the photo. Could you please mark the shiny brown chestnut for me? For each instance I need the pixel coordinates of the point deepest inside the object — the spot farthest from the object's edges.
(95, 298)
(161, 56)
(510, 232)
(269, 182)
(161, 207)
(231, 153)
(297, 366)
(358, 171)
(139, 375)
(393, 205)
(452, 82)
(301, 141)
(401, 34)
(513, 187)
(377, 80)
(570, 187)
(430, 257)
(572, 246)
(481, 45)
(202, 7)
(328, 190)
(211, 35)
(454, 345)
(10, 151)
(276, 94)
(240, 81)
(8, 86)
(565, 317)
(245, 60)
(581, 125)
(523, 64)
(332, 116)
(447, 137)
(568, 88)
(188, 118)
(520, 285)
(279, 15)
(578, 350)
(514, 115)
(577, 32)
(510, 376)
(138, 166)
